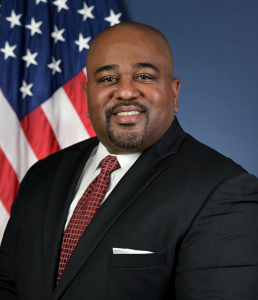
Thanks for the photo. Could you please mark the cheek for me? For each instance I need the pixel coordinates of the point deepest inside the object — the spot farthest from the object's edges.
(95, 104)
(161, 102)
(98, 104)
(162, 109)
(98, 98)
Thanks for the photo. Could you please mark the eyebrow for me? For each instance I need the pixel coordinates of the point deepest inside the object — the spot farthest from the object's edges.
(106, 68)
(145, 65)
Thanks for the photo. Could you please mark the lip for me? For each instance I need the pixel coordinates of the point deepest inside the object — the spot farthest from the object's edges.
(134, 114)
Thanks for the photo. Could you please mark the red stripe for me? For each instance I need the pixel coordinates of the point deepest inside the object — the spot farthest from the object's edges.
(8, 182)
(39, 133)
(74, 91)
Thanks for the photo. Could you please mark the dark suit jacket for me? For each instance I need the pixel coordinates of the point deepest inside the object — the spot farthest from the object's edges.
(194, 208)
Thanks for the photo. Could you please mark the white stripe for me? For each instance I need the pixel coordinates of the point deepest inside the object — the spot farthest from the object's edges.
(85, 71)
(64, 120)
(4, 217)
(13, 140)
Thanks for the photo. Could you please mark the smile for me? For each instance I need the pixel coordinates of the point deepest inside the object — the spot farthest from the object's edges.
(128, 113)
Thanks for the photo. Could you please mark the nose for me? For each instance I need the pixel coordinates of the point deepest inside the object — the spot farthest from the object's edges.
(126, 89)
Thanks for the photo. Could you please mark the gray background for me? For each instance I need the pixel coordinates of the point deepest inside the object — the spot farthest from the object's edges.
(214, 44)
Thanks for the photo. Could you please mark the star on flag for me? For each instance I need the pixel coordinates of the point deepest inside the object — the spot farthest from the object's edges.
(113, 18)
(55, 66)
(83, 42)
(61, 4)
(57, 34)
(30, 58)
(8, 50)
(86, 11)
(25, 89)
(34, 27)
(14, 19)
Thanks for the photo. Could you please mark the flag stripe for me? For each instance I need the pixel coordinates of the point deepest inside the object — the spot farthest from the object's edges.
(64, 120)
(13, 141)
(39, 133)
(74, 91)
(8, 183)
(85, 72)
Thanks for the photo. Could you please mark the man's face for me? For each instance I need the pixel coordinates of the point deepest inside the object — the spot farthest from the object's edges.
(130, 92)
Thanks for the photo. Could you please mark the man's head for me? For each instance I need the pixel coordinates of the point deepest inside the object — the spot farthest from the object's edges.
(131, 93)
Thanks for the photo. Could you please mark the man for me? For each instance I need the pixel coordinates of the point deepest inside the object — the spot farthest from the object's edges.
(178, 220)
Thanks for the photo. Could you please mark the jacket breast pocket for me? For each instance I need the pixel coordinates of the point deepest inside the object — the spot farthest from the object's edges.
(138, 260)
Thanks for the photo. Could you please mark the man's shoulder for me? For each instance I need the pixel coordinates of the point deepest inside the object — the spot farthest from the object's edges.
(52, 161)
(203, 158)
(80, 146)
(189, 157)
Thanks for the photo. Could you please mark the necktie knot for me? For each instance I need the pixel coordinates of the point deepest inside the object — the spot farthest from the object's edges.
(109, 164)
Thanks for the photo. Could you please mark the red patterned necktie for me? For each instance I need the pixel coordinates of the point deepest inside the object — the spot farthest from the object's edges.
(85, 210)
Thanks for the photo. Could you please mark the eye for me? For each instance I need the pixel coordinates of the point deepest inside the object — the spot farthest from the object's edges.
(109, 79)
(143, 77)
(106, 78)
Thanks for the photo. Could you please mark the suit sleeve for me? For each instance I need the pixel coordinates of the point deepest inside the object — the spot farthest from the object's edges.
(9, 247)
(218, 257)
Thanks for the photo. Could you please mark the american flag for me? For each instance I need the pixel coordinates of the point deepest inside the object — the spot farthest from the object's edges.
(43, 49)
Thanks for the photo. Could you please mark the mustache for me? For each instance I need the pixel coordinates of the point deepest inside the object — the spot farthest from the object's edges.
(110, 111)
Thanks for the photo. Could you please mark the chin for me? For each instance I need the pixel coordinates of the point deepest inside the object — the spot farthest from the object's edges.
(127, 139)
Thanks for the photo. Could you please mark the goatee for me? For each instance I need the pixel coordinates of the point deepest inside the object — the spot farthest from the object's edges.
(126, 139)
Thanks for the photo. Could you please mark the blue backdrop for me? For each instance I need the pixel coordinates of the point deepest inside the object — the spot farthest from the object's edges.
(215, 49)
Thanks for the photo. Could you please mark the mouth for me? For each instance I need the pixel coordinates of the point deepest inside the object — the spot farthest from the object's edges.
(127, 113)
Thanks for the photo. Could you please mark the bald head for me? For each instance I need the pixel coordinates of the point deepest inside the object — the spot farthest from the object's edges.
(133, 33)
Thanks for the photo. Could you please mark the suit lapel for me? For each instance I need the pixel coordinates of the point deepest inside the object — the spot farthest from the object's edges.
(59, 201)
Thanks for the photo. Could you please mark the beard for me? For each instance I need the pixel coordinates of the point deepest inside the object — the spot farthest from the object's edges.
(126, 139)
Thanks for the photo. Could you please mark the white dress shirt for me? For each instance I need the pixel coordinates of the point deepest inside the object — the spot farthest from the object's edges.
(92, 169)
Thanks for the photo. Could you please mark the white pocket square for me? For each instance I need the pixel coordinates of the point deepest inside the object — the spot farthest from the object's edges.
(130, 251)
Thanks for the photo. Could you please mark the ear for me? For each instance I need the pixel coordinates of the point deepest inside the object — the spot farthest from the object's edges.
(175, 89)
(84, 86)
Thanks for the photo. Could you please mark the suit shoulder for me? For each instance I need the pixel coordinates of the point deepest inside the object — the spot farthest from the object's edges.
(75, 147)
(202, 157)
(52, 161)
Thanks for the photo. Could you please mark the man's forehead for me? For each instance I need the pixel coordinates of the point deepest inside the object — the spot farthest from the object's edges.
(137, 37)
(119, 39)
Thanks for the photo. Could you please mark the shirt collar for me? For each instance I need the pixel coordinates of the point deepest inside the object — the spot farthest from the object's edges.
(125, 160)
